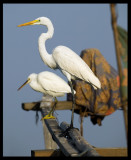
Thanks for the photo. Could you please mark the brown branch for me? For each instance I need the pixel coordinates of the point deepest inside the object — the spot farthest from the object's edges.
(117, 47)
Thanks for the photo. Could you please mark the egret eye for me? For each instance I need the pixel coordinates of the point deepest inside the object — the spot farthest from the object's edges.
(37, 20)
(28, 79)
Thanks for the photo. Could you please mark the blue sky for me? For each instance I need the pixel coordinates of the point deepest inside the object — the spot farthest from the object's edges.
(77, 26)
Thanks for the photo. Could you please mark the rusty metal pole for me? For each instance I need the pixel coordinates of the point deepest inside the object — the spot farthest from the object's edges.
(117, 46)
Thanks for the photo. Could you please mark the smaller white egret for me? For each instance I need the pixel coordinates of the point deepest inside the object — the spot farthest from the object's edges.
(49, 84)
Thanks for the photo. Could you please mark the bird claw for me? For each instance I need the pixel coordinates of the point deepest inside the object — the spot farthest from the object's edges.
(65, 133)
(48, 117)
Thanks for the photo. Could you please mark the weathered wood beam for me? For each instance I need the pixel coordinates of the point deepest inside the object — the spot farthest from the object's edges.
(79, 142)
(47, 153)
(55, 131)
(105, 152)
(67, 145)
(31, 106)
(61, 105)
(112, 152)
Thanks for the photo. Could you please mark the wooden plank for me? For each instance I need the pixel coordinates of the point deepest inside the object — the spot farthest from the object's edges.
(112, 152)
(61, 105)
(47, 153)
(31, 106)
(105, 152)
(79, 142)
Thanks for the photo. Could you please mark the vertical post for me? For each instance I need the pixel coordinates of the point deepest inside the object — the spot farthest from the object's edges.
(117, 46)
(49, 142)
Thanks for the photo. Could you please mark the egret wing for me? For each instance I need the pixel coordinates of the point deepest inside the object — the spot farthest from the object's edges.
(51, 82)
(69, 61)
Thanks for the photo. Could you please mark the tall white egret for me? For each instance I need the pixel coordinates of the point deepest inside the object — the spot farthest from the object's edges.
(63, 58)
(49, 84)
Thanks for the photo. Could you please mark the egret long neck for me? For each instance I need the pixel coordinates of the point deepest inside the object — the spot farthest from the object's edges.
(47, 58)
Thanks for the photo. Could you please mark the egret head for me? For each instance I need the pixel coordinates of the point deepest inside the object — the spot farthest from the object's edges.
(30, 78)
(39, 21)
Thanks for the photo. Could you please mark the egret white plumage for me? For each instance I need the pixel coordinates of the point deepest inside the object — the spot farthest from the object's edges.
(49, 84)
(63, 58)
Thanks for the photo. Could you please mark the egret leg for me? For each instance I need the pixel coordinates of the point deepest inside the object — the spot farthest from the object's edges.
(72, 116)
(65, 133)
(53, 108)
(50, 114)
(73, 104)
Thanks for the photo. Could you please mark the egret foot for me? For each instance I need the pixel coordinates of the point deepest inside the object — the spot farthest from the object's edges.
(48, 117)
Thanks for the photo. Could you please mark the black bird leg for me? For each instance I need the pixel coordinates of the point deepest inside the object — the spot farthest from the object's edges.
(73, 105)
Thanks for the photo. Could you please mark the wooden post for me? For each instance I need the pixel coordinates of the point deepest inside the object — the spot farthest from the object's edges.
(49, 142)
(117, 46)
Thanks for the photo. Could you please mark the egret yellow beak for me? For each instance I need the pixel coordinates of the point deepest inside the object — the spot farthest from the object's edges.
(28, 80)
(28, 23)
